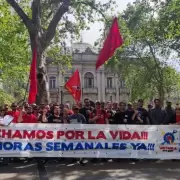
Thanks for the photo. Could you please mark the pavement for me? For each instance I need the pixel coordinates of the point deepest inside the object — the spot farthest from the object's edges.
(123, 170)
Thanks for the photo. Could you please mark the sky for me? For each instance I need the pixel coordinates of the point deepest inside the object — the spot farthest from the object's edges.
(93, 34)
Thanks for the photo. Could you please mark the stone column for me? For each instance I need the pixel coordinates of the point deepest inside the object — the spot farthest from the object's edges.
(82, 83)
(103, 86)
(117, 89)
(98, 85)
(61, 85)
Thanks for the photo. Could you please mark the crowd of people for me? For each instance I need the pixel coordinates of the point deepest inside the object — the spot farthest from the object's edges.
(90, 112)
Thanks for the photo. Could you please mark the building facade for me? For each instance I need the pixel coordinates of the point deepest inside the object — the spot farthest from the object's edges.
(100, 85)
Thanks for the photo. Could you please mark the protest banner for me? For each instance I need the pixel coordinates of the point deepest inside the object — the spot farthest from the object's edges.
(90, 141)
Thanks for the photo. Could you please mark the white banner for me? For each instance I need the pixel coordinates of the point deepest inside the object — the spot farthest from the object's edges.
(90, 141)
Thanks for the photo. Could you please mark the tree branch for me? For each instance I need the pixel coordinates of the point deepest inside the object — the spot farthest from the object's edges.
(50, 33)
(93, 7)
(28, 23)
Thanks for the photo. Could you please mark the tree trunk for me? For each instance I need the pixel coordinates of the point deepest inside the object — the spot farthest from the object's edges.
(42, 77)
(161, 95)
(43, 86)
(42, 83)
(41, 40)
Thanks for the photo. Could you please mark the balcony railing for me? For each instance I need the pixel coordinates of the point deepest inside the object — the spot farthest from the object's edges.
(53, 90)
(111, 90)
(90, 90)
(124, 90)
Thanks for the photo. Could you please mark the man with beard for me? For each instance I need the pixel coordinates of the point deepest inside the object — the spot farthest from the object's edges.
(142, 113)
(120, 116)
(129, 113)
(85, 111)
(99, 115)
(169, 111)
(157, 113)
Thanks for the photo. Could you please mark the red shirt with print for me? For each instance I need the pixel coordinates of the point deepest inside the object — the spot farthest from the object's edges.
(102, 116)
(29, 118)
(14, 114)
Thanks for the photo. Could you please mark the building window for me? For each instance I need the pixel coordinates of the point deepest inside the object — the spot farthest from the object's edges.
(109, 82)
(52, 82)
(122, 84)
(66, 79)
(89, 80)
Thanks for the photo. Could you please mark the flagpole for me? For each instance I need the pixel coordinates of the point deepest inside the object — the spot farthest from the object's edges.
(26, 91)
(27, 87)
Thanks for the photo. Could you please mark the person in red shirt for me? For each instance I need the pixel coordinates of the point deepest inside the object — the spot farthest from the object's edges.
(99, 115)
(14, 112)
(27, 117)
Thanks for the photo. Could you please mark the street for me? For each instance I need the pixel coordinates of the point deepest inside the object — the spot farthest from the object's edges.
(124, 170)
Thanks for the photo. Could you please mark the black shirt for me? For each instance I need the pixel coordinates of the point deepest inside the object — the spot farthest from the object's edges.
(119, 117)
(84, 112)
(143, 114)
(111, 114)
(129, 114)
(55, 119)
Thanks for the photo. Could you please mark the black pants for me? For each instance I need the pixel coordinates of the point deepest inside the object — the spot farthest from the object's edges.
(5, 161)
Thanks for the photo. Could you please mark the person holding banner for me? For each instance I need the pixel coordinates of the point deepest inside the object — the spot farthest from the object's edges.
(27, 116)
(14, 112)
(99, 114)
(158, 114)
(77, 118)
(4, 161)
(86, 111)
(121, 117)
(110, 112)
(175, 119)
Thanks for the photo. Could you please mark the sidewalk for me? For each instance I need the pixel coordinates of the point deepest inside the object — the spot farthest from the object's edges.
(124, 170)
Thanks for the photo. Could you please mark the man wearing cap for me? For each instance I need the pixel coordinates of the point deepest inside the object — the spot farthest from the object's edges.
(77, 118)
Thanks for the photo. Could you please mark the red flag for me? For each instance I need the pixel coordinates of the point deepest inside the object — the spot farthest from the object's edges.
(33, 79)
(73, 85)
(112, 42)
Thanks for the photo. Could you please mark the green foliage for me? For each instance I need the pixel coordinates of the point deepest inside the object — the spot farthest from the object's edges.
(144, 59)
(60, 56)
(14, 52)
(5, 98)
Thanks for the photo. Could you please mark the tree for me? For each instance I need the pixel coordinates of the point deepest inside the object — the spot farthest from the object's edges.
(169, 23)
(143, 60)
(14, 54)
(49, 17)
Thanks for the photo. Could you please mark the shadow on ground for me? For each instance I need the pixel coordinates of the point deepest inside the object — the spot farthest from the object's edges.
(124, 170)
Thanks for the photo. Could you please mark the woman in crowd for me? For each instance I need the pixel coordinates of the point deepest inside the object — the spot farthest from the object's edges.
(176, 117)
